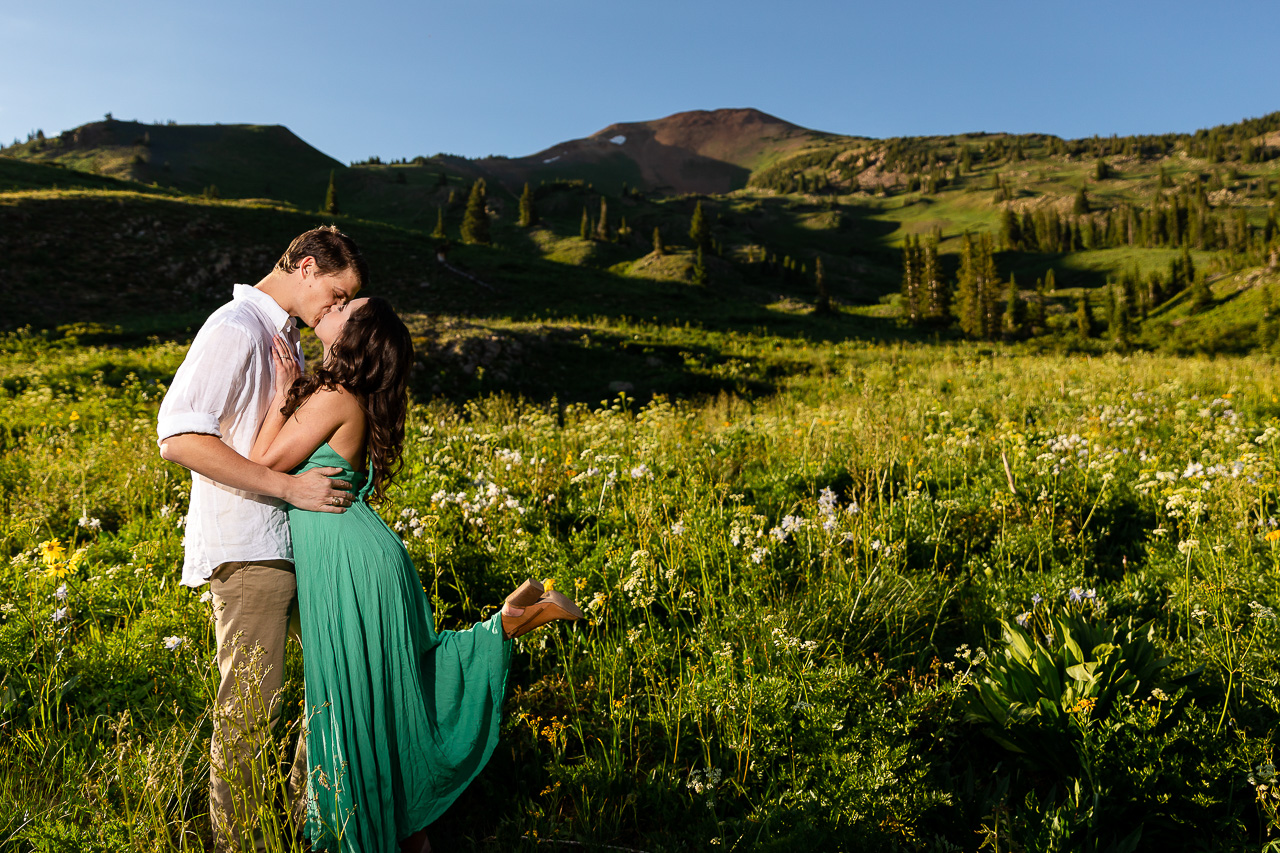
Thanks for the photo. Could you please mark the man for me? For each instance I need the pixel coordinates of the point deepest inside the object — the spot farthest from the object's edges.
(237, 533)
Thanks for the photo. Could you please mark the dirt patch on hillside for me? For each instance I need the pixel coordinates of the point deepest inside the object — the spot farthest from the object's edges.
(737, 136)
(701, 151)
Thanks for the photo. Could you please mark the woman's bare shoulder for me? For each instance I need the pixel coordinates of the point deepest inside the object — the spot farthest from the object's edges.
(332, 401)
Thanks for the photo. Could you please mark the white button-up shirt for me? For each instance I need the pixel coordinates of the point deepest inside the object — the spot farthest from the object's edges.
(223, 388)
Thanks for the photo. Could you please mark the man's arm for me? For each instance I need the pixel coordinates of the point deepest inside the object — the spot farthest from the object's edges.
(190, 433)
(207, 455)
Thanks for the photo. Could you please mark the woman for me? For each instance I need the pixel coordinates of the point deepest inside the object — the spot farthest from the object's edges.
(401, 717)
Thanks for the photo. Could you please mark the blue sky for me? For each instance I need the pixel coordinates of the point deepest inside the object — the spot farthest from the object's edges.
(504, 77)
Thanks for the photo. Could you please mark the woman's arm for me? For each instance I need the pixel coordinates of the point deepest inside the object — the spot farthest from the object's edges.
(282, 444)
(314, 423)
(286, 372)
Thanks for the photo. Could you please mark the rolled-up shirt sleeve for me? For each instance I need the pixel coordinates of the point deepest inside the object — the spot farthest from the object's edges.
(210, 377)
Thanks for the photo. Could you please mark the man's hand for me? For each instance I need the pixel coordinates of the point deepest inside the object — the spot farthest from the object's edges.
(207, 455)
(314, 491)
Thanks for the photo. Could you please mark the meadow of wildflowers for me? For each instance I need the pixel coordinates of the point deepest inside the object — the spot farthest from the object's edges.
(920, 598)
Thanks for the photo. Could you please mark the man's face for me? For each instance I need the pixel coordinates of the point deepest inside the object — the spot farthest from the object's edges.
(322, 292)
(329, 329)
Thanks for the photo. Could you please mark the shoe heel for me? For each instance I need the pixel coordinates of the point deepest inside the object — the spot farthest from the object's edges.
(527, 594)
(550, 607)
(564, 603)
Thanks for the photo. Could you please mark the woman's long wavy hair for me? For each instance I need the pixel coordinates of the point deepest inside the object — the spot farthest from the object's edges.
(371, 360)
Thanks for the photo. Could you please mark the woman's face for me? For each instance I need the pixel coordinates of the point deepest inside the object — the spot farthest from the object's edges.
(329, 329)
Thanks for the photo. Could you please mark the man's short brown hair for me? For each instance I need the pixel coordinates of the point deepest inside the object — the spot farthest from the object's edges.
(334, 252)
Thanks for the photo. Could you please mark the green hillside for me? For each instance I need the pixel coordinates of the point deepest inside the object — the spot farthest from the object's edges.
(1151, 216)
(240, 161)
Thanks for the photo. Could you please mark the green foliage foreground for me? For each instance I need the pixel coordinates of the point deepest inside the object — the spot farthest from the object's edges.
(921, 599)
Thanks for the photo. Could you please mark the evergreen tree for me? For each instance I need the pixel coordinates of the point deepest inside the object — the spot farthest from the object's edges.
(1050, 282)
(1155, 289)
(978, 288)
(1011, 229)
(912, 281)
(602, 227)
(1131, 293)
(1081, 205)
(990, 289)
(584, 228)
(438, 233)
(1015, 310)
(699, 230)
(700, 270)
(475, 221)
(937, 288)
(1037, 310)
(1122, 317)
(528, 216)
(1084, 316)
(331, 197)
(823, 305)
(1201, 295)
(967, 291)
(657, 242)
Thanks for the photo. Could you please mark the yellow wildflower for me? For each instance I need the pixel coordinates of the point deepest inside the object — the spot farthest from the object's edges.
(1273, 535)
(52, 552)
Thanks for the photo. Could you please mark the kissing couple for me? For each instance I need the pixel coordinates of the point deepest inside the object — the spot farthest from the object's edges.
(399, 717)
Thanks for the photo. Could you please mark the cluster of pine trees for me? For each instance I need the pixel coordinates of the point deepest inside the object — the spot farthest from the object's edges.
(926, 293)
(1172, 220)
(982, 304)
(987, 307)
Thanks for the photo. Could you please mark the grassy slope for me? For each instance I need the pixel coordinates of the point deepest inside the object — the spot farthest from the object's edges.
(243, 161)
(857, 234)
(157, 265)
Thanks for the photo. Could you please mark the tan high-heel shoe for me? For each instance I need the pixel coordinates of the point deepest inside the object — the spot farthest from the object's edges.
(540, 607)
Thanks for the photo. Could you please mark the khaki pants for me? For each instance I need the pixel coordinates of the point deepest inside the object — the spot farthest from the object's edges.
(253, 602)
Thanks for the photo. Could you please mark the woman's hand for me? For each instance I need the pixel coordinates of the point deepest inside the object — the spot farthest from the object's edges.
(286, 366)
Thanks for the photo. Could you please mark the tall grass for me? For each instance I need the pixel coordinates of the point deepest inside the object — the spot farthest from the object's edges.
(788, 600)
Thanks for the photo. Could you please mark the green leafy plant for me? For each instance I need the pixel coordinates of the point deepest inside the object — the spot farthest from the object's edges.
(1056, 673)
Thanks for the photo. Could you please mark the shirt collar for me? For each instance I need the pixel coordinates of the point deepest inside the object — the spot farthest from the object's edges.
(276, 316)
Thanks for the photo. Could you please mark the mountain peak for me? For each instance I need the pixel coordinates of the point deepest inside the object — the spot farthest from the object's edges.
(700, 151)
(703, 122)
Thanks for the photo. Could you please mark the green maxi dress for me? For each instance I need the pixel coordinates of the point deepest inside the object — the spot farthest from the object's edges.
(401, 717)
